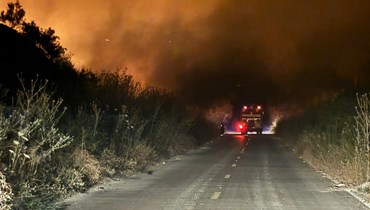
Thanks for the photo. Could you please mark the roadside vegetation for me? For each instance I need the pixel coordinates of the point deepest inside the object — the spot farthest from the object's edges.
(65, 129)
(333, 136)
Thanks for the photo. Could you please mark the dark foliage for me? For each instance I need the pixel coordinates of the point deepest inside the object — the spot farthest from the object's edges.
(45, 39)
(14, 16)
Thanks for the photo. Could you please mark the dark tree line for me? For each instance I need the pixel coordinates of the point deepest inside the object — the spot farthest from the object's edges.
(14, 16)
(45, 39)
(32, 52)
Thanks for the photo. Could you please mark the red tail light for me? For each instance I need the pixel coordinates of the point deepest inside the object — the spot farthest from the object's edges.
(241, 126)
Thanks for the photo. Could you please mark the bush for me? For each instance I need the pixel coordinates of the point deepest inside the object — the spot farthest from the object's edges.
(139, 156)
(6, 194)
(29, 141)
(87, 165)
(334, 137)
(111, 164)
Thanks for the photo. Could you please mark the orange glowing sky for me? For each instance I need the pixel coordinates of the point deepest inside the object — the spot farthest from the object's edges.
(195, 44)
(114, 33)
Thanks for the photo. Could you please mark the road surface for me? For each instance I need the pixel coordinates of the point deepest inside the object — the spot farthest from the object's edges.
(232, 172)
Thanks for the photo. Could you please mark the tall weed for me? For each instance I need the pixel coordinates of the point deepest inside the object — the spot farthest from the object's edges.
(334, 137)
(362, 137)
(47, 153)
(29, 142)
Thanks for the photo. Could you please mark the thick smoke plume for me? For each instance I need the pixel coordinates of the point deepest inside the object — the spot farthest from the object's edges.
(211, 50)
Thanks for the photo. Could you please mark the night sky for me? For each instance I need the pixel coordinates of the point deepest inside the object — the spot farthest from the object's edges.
(212, 50)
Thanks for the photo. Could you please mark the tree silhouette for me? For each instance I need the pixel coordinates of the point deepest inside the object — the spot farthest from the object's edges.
(44, 39)
(13, 16)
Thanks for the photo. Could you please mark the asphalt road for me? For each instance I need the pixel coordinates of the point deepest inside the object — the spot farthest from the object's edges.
(231, 172)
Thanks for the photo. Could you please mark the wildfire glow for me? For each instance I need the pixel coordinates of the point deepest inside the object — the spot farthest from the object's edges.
(201, 49)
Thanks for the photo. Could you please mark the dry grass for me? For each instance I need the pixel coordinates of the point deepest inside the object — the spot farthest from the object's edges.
(362, 137)
(111, 164)
(140, 156)
(47, 155)
(334, 138)
(336, 163)
(88, 166)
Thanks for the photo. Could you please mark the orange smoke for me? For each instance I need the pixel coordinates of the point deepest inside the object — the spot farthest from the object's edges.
(193, 46)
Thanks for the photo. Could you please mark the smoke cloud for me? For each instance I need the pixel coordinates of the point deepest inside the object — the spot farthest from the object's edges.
(212, 50)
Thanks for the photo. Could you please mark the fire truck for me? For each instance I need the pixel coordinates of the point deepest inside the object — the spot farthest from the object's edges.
(251, 119)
